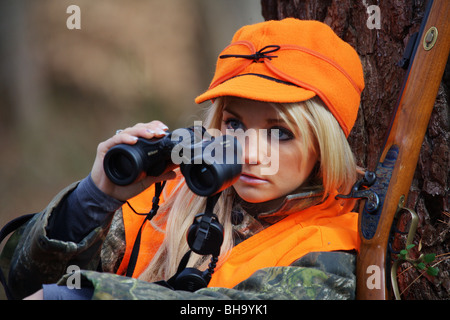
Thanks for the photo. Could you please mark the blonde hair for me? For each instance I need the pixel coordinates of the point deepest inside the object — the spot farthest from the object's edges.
(316, 128)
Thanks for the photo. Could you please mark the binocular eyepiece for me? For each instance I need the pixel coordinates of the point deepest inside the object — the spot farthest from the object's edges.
(209, 164)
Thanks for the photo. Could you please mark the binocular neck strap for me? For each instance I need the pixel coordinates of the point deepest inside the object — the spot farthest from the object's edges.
(137, 243)
(205, 223)
(211, 203)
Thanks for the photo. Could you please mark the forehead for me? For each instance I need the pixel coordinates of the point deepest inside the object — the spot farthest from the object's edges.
(251, 109)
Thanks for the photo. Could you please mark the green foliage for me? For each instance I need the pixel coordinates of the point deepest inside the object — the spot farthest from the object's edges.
(422, 263)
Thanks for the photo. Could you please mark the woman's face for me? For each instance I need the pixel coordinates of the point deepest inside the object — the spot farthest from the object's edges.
(262, 179)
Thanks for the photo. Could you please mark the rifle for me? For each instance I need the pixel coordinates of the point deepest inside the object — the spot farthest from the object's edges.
(398, 159)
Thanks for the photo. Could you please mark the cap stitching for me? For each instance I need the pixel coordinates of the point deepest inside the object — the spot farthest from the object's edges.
(324, 58)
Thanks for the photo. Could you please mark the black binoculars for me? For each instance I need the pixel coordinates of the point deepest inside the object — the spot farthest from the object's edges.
(208, 164)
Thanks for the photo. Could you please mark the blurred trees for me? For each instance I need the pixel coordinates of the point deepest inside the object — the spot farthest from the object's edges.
(63, 91)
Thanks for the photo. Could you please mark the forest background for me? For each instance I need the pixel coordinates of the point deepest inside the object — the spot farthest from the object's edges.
(62, 91)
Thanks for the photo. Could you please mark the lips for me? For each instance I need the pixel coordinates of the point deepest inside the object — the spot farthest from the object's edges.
(251, 179)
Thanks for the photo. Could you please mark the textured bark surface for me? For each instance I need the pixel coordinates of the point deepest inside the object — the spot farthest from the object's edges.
(380, 50)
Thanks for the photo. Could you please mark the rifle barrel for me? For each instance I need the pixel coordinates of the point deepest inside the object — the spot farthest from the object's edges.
(407, 131)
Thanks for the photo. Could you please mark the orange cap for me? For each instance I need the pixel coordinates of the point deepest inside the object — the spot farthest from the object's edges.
(290, 61)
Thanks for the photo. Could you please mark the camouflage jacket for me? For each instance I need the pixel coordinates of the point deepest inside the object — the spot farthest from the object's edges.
(32, 259)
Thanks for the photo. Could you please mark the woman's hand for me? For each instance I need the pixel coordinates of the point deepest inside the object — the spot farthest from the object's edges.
(154, 129)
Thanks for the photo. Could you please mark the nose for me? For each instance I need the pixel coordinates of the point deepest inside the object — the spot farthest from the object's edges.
(255, 146)
(251, 149)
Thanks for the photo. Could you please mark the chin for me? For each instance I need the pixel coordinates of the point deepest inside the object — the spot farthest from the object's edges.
(253, 195)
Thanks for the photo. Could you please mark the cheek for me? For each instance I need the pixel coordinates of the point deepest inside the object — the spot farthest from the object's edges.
(295, 167)
(290, 161)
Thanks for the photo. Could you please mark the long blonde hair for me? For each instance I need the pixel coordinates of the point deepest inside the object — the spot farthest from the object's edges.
(312, 123)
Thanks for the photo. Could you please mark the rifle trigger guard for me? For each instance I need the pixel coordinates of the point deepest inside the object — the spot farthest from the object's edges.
(361, 190)
(409, 240)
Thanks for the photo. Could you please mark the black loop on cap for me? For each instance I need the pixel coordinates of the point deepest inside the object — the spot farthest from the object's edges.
(260, 54)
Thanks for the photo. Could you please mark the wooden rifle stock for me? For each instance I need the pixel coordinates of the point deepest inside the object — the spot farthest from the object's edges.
(401, 150)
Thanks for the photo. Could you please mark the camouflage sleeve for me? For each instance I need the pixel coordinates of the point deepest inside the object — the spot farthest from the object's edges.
(316, 276)
(322, 275)
(37, 259)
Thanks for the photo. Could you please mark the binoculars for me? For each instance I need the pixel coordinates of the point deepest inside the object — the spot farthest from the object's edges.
(209, 164)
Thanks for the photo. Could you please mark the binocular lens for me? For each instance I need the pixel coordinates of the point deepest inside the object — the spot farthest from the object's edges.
(123, 165)
(202, 177)
(209, 179)
(203, 180)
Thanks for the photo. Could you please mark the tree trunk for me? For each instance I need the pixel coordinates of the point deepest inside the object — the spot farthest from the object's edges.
(380, 49)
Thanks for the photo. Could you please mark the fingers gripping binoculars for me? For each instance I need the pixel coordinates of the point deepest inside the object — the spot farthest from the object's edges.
(209, 164)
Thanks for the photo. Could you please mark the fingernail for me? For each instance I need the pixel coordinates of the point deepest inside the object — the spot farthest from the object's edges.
(150, 131)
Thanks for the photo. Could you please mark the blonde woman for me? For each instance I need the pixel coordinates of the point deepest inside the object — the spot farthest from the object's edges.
(285, 234)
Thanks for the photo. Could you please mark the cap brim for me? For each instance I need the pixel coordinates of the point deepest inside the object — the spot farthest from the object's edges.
(257, 88)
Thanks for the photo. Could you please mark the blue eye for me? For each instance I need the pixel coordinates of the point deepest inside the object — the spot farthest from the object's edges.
(233, 124)
(282, 134)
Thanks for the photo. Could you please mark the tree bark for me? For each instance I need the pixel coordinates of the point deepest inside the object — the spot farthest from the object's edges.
(380, 50)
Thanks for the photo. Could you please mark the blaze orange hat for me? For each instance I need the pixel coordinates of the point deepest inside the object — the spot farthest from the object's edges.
(291, 61)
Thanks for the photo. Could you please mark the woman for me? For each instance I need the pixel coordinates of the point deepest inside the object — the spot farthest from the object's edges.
(293, 79)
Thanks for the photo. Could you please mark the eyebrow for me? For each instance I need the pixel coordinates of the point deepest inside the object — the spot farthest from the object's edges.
(270, 120)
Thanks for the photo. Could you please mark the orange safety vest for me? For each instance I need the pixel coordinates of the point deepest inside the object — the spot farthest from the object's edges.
(315, 229)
